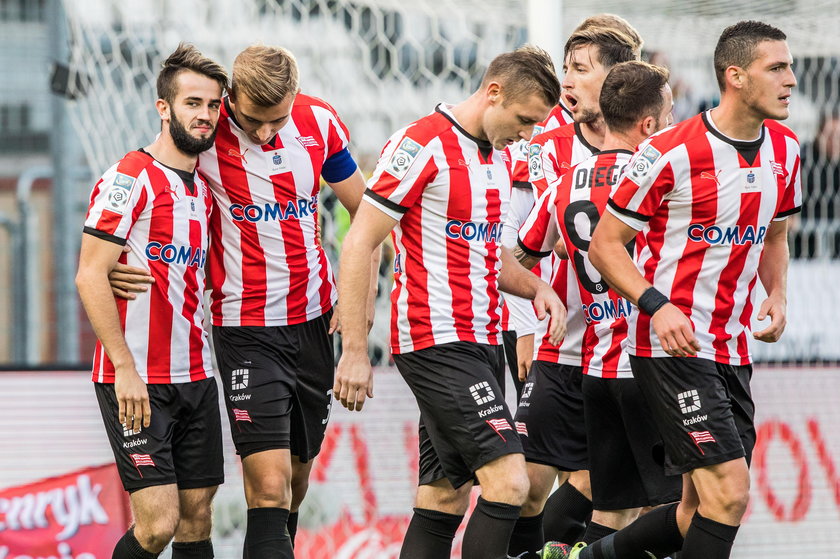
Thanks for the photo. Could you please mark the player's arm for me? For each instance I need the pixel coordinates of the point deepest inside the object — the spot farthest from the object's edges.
(127, 280)
(349, 192)
(353, 379)
(772, 271)
(97, 259)
(519, 281)
(608, 253)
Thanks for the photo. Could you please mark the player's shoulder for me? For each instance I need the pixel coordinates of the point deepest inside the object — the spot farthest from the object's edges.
(132, 164)
(565, 131)
(680, 134)
(425, 129)
(304, 101)
(774, 127)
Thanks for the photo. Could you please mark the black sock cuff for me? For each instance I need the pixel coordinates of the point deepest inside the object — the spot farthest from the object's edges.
(670, 512)
(595, 532)
(529, 521)
(192, 545)
(499, 511)
(193, 550)
(438, 522)
(723, 532)
(135, 548)
(267, 518)
(573, 499)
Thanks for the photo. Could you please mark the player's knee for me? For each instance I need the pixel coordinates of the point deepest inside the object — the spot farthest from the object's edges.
(269, 491)
(154, 534)
(507, 481)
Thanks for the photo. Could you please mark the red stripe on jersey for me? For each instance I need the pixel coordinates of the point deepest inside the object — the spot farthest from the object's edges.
(458, 250)
(253, 257)
(159, 357)
(494, 215)
(192, 295)
(729, 279)
(215, 267)
(306, 120)
(285, 194)
(418, 311)
(654, 242)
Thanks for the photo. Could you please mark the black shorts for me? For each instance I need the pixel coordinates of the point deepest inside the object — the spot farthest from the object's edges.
(625, 459)
(551, 410)
(278, 384)
(183, 443)
(704, 410)
(464, 420)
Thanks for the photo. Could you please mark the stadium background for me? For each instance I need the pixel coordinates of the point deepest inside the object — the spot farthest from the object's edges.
(76, 93)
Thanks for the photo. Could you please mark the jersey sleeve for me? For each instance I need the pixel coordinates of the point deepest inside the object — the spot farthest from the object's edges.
(521, 177)
(540, 165)
(116, 201)
(338, 136)
(540, 233)
(647, 180)
(402, 173)
(791, 199)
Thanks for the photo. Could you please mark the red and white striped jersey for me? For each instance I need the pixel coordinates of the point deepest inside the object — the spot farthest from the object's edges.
(162, 214)
(449, 192)
(266, 266)
(703, 203)
(574, 205)
(568, 148)
(559, 116)
(552, 153)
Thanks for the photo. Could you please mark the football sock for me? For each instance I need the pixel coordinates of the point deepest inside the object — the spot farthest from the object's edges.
(192, 550)
(488, 531)
(429, 535)
(656, 531)
(595, 532)
(708, 539)
(565, 514)
(266, 537)
(291, 526)
(527, 536)
(129, 548)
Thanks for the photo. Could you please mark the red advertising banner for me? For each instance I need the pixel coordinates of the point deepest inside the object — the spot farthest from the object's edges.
(79, 515)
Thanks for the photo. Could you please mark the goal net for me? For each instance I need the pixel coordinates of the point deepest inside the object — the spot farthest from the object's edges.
(384, 63)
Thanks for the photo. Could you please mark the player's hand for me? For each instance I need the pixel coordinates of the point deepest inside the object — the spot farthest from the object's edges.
(335, 325)
(353, 380)
(133, 398)
(776, 308)
(524, 355)
(127, 280)
(675, 331)
(547, 301)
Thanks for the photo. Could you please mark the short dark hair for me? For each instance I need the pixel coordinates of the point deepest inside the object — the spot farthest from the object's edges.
(632, 91)
(525, 71)
(616, 39)
(187, 57)
(736, 46)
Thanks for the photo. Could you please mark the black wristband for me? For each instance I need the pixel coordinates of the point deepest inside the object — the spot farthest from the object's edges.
(652, 300)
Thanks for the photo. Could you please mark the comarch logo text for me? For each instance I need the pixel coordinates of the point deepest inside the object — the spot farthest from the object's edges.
(293, 209)
(176, 254)
(735, 235)
(469, 231)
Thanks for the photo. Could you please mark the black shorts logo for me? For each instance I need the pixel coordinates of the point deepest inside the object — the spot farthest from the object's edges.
(689, 401)
(239, 379)
(482, 393)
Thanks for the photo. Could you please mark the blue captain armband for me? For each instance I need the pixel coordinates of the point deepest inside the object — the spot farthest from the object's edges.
(339, 166)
